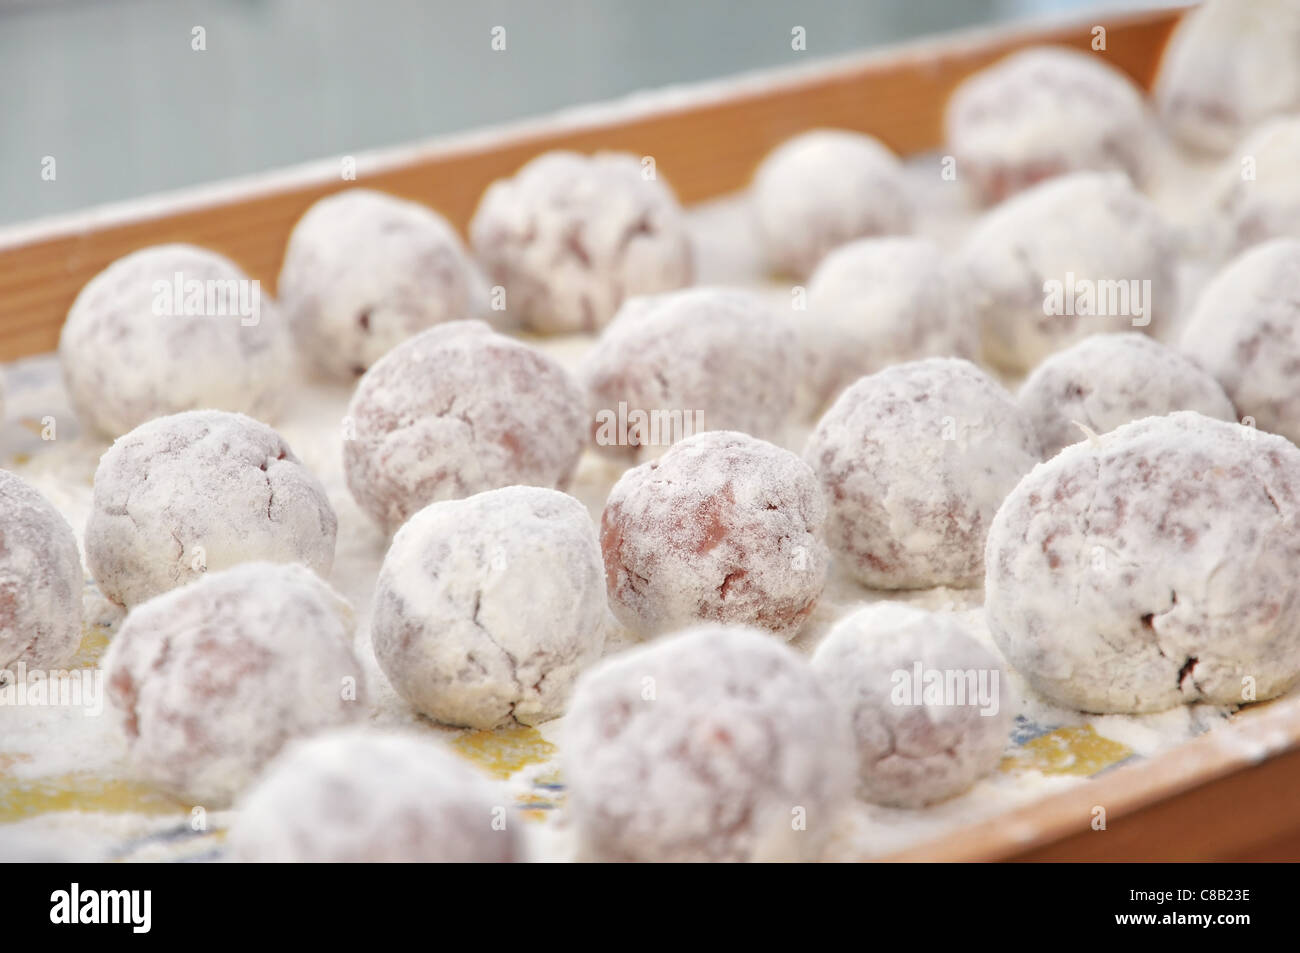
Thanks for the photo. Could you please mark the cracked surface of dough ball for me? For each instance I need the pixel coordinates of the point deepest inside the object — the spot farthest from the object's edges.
(721, 357)
(722, 528)
(1229, 65)
(41, 581)
(1111, 379)
(487, 608)
(362, 796)
(717, 744)
(1043, 112)
(133, 349)
(914, 461)
(882, 301)
(1077, 231)
(201, 491)
(364, 271)
(457, 410)
(1245, 330)
(923, 735)
(1266, 205)
(823, 188)
(1153, 569)
(571, 236)
(209, 681)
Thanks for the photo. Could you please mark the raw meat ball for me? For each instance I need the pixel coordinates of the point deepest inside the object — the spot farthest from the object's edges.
(1229, 65)
(210, 680)
(1245, 330)
(717, 744)
(364, 271)
(1066, 259)
(354, 796)
(823, 188)
(200, 491)
(722, 528)
(702, 359)
(1257, 193)
(41, 581)
(1110, 379)
(882, 301)
(168, 329)
(1152, 567)
(570, 236)
(1044, 112)
(456, 410)
(928, 703)
(914, 461)
(487, 609)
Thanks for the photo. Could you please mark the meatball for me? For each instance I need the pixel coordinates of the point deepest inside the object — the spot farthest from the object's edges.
(359, 796)
(169, 329)
(210, 680)
(41, 581)
(1040, 113)
(456, 410)
(199, 491)
(676, 364)
(364, 271)
(1152, 567)
(1078, 255)
(487, 608)
(914, 461)
(1256, 195)
(882, 301)
(570, 236)
(718, 743)
(722, 528)
(823, 188)
(928, 702)
(1229, 65)
(1110, 379)
(1245, 330)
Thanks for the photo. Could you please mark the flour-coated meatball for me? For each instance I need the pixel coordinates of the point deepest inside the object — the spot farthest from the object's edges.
(364, 271)
(209, 681)
(487, 608)
(456, 410)
(1153, 567)
(41, 581)
(823, 188)
(569, 237)
(168, 329)
(201, 491)
(718, 743)
(914, 461)
(928, 703)
(1043, 112)
(357, 796)
(722, 528)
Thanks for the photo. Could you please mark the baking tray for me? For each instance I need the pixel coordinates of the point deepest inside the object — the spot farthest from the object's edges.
(1231, 793)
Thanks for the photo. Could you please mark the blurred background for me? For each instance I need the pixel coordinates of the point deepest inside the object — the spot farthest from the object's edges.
(118, 94)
